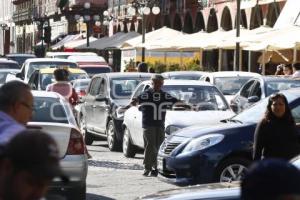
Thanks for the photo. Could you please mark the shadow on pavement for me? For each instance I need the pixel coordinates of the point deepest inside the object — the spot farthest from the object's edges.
(96, 197)
(115, 165)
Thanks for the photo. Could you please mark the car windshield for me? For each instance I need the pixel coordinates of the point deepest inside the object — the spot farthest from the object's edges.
(255, 113)
(96, 70)
(123, 87)
(47, 79)
(53, 64)
(49, 110)
(204, 97)
(9, 66)
(3, 76)
(20, 59)
(284, 84)
(230, 85)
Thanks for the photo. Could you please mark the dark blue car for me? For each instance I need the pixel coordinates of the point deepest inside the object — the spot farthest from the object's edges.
(218, 153)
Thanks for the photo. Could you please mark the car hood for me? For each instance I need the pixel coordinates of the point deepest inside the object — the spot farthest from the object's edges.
(209, 117)
(198, 130)
(203, 191)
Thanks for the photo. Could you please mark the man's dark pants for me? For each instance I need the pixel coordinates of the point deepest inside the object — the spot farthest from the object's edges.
(153, 138)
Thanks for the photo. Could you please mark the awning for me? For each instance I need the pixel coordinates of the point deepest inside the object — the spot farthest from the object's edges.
(66, 39)
(76, 43)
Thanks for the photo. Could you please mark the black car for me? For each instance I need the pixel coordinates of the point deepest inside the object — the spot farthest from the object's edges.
(98, 114)
(19, 57)
(258, 88)
(219, 153)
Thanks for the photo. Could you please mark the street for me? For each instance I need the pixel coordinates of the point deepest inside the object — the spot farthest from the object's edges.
(112, 176)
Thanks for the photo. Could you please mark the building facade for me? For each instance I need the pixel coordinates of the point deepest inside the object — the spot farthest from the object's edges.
(7, 27)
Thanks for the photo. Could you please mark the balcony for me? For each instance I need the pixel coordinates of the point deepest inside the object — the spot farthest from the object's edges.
(22, 15)
(17, 2)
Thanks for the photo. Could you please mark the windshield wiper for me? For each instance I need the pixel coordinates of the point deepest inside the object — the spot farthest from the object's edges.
(231, 120)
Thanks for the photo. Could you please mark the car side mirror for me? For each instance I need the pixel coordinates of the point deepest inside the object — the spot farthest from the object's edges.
(253, 99)
(100, 98)
(19, 75)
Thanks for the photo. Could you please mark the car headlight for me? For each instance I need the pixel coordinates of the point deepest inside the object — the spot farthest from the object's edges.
(203, 142)
(171, 129)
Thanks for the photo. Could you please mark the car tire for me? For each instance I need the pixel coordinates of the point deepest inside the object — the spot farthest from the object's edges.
(232, 169)
(78, 192)
(129, 150)
(88, 138)
(113, 143)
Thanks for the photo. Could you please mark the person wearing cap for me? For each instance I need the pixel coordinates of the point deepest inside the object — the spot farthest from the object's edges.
(271, 179)
(153, 104)
(296, 70)
(16, 107)
(28, 163)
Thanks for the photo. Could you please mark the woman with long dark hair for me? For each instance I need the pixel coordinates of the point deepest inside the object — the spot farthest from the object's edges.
(276, 136)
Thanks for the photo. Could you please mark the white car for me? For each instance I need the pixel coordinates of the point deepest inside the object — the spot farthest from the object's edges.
(53, 115)
(183, 75)
(32, 64)
(6, 74)
(65, 55)
(228, 82)
(207, 98)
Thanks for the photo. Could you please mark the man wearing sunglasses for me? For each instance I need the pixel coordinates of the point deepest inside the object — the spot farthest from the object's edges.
(16, 106)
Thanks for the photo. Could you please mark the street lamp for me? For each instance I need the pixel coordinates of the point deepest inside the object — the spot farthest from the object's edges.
(237, 48)
(4, 28)
(87, 18)
(143, 8)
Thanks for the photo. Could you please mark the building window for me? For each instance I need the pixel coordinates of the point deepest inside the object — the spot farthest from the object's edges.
(165, 6)
(179, 5)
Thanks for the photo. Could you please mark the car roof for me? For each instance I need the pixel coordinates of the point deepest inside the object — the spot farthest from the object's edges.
(81, 80)
(8, 61)
(40, 93)
(49, 60)
(233, 73)
(277, 78)
(86, 58)
(182, 72)
(124, 74)
(10, 70)
(182, 82)
(69, 53)
(21, 55)
(72, 70)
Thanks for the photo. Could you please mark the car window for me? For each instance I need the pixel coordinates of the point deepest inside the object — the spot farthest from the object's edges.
(296, 114)
(230, 85)
(9, 66)
(95, 85)
(3, 76)
(47, 79)
(139, 90)
(49, 110)
(275, 86)
(39, 65)
(123, 87)
(204, 97)
(102, 88)
(256, 90)
(246, 89)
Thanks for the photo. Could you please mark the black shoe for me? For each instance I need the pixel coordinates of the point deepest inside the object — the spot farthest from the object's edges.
(154, 173)
(146, 172)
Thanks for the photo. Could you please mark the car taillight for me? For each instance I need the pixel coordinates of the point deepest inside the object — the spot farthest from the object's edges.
(76, 145)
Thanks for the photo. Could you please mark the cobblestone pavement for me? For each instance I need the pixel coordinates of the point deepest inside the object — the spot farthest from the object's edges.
(112, 176)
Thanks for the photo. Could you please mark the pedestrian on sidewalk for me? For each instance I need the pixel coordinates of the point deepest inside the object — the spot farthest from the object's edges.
(16, 107)
(28, 163)
(283, 69)
(276, 135)
(153, 103)
(271, 179)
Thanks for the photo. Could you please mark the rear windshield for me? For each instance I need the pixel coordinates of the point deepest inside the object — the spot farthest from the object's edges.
(20, 59)
(9, 66)
(276, 86)
(53, 64)
(96, 70)
(49, 110)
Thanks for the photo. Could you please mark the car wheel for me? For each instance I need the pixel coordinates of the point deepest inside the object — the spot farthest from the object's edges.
(113, 143)
(88, 138)
(129, 150)
(232, 169)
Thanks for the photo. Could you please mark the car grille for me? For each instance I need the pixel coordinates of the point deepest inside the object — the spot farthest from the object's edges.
(168, 147)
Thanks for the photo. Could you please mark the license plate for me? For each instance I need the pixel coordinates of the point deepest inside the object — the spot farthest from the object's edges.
(160, 164)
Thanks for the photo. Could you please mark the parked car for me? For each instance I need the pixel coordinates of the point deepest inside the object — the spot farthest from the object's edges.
(98, 115)
(40, 78)
(219, 153)
(91, 64)
(258, 88)
(212, 191)
(229, 82)
(8, 64)
(20, 58)
(54, 116)
(4, 74)
(32, 64)
(204, 97)
(183, 75)
(65, 55)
